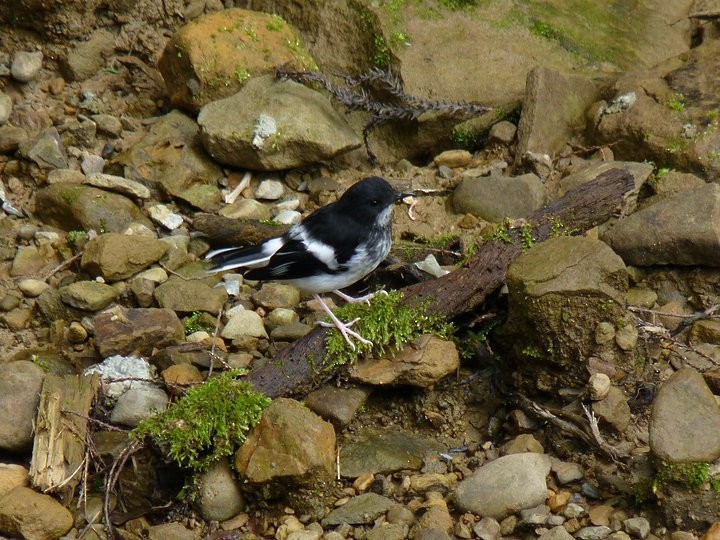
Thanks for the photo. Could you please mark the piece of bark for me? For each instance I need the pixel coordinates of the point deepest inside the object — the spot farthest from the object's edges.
(300, 367)
(224, 231)
(60, 430)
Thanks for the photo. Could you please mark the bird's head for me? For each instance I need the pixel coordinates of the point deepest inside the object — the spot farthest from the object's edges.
(369, 198)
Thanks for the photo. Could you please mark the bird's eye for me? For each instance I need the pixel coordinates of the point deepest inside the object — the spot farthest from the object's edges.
(374, 202)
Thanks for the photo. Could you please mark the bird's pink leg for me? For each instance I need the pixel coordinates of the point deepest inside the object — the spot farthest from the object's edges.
(343, 328)
(354, 300)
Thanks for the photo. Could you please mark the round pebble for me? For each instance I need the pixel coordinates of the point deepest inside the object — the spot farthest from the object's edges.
(32, 288)
(76, 333)
(599, 386)
(5, 107)
(26, 65)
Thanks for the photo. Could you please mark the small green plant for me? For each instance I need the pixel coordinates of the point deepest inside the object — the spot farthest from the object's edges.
(276, 23)
(532, 351)
(459, 4)
(197, 322)
(472, 340)
(676, 102)
(399, 38)
(387, 323)
(502, 232)
(206, 424)
(466, 138)
(241, 74)
(544, 30)
(558, 228)
(75, 235)
(526, 236)
(672, 146)
(381, 54)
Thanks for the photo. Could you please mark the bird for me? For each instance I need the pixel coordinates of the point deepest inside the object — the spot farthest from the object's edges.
(332, 248)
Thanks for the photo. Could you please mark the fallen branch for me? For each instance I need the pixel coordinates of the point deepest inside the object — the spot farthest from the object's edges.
(302, 366)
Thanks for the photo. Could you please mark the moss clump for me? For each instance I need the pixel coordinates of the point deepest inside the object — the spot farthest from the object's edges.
(208, 423)
(385, 322)
(689, 475)
(198, 322)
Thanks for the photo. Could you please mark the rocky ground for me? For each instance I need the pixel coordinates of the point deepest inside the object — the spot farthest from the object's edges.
(578, 400)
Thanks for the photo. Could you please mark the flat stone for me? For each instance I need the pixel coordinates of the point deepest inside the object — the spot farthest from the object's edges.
(244, 323)
(119, 184)
(277, 295)
(270, 190)
(337, 405)
(246, 209)
(136, 329)
(88, 295)
(117, 256)
(453, 158)
(32, 288)
(360, 510)
(614, 409)
(28, 514)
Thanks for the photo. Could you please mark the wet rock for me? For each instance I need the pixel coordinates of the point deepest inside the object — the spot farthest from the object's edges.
(244, 323)
(26, 65)
(137, 329)
(359, 510)
(277, 295)
(685, 420)
(553, 109)
(71, 207)
(88, 295)
(289, 442)
(137, 404)
(118, 184)
(453, 158)
(29, 514)
(614, 409)
(496, 197)
(202, 62)
(12, 476)
(46, 150)
(422, 363)
(264, 127)
(337, 405)
(386, 453)
(88, 57)
(505, 486)
(682, 229)
(559, 291)
(219, 495)
(6, 105)
(118, 256)
(20, 384)
(170, 160)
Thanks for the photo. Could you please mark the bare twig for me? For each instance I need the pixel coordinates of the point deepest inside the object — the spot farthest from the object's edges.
(595, 430)
(113, 477)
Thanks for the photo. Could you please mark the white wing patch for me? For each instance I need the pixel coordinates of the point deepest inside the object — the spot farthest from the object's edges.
(320, 250)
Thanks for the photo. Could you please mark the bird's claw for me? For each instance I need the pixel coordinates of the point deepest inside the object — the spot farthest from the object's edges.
(346, 331)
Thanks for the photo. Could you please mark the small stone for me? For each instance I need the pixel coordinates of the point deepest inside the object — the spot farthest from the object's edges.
(161, 214)
(10, 301)
(137, 404)
(11, 476)
(573, 510)
(557, 501)
(92, 164)
(107, 124)
(641, 296)
(288, 217)
(56, 85)
(604, 333)
(593, 533)
(270, 190)
(25, 513)
(170, 531)
(6, 105)
(599, 386)
(76, 333)
(246, 209)
(32, 288)
(290, 332)
(626, 337)
(26, 65)
(244, 323)
(503, 133)
(524, 442)
(11, 137)
(219, 494)
(487, 529)
(453, 158)
(614, 409)
(17, 319)
(638, 527)
(118, 184)
(600, 514)
(277, 295)
(280, 317)
(567, 472)
(556, 533)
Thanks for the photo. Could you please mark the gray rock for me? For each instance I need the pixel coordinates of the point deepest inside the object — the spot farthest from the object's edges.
(685, 420)
(559, 291)
(79, 133)
(277, 295)
(162, 214)
(573, 510)
(182, 170)
(244, 323)
(137, 404)
(107, 124)
(186, 295)
(614, 409)
(280, 317)
(288, 217)
(337, 405)
(137, 329)
(502, 133)
(291, 443)
(386, 453)
(72, 206)
(32, 288)
(118, 256)
(487, 529)
(230, 127)
(593, 533)
(25, 513)
(638, 527)
(552, 110)
(88, 295)
(20, 384)
(290, 332)
(69, 176)
(505, 486)
(11, 137)
(46, 150)
(26, 65)
(219, 495)
(121, 373)
(270, 190)
(556, 533)
(118, 184)
(92, 163)
(639, 171)
(495, 197)
(88, 57)
(6, 105)
(681, 229)
(537, 515)
(361, 510)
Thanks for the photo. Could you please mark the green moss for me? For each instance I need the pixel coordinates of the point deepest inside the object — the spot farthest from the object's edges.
(465, 137)
(207, 424)
(276, 24)
(677, 102)
(689, 475)
(532, 351)
(526, 236)
(74, 236)
(558, 228)
(241, 74)
(501, 232)
(198, 321)
(385, 322)
(381, 51)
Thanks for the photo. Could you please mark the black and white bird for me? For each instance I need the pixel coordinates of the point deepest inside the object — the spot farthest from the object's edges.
(334, 247)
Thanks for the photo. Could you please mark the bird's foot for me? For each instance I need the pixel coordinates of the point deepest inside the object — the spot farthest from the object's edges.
(343, 328)
(360, 299)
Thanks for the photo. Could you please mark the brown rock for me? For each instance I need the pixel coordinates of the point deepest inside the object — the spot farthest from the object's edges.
(33, 515)
(141, 330)
(118, 256)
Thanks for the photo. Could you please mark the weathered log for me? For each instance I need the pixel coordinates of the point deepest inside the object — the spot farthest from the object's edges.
(302, 366)
(223, 231)
(59, 446)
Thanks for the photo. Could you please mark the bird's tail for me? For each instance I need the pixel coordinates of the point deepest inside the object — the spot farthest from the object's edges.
(232, 258)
